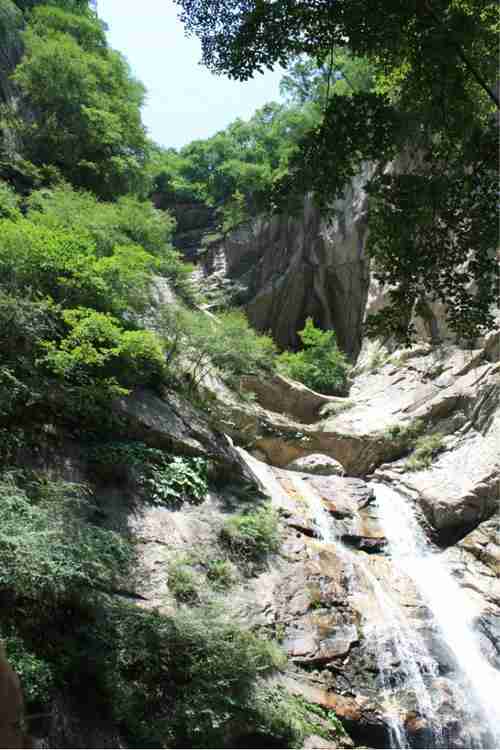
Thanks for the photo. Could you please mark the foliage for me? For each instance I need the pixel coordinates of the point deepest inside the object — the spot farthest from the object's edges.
(426, 449)
(340, 73)
(50, 552)
(182, 581)
(178, 480)
(320, 364)
(431, 101)
(184, 680)
(130, 230)
(126, 221)
(292, 718)
(9, 202)
(234, 169)
(252, 535)
(96, 350)
(404, 436)
(225, 343)
(432, 238)
(221, 573)
(149, 672)
(34, 672)
(92, 280)
(88, 122)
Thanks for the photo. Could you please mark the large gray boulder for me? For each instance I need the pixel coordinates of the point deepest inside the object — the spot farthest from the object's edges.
(171, 423)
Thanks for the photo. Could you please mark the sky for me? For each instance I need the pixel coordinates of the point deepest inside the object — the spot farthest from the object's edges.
(184, 100)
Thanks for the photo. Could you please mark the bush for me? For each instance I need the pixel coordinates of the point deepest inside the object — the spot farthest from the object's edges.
(128, 221)
(405, 435)
(179, 480)
(49, 550)
(225, 344)
(252, 535)
(320, 365)
(221, 574)
(35, 673)
(426, 449)
(97, 351)
(182, 582)
(9, 203)
(291, 718)
(184, 681)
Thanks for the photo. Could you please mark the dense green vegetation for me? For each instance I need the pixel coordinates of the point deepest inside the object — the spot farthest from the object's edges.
(87, 123)
(320, 364)
(235, 170)
(63, 631)
(431, 103)
(83, 253)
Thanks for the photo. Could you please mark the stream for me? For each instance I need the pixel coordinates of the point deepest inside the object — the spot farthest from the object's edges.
(455, 697)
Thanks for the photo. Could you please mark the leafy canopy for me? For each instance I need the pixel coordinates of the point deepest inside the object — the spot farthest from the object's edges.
(433, 67)
(88, 122)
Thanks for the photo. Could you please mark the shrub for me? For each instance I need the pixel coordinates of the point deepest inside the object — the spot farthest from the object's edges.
(128, 221)
(183, 681)
(35, 673)
(291, 718)
(221, 574)
(49, 550)
(252, 535)
(98, 351)
(9, 202)
(320, 365)
(426, 449)
(225, 343)
(179, 480)
(405, 435)
(182, 581)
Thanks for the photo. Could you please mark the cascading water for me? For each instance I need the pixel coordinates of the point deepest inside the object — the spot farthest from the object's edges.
(395, 636)
(405, 664)
(452, 611)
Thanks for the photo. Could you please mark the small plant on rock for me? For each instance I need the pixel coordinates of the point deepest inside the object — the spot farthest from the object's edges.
(426, 449)
(252, 535)
(182, 582)
(221, 574)
(180, 480)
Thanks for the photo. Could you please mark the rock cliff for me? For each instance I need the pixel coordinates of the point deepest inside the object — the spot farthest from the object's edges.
(353, 594)
(286, 268)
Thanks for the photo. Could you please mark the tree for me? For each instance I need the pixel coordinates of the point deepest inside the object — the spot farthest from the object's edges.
(307, 80)
(433, 99)
(87, 105)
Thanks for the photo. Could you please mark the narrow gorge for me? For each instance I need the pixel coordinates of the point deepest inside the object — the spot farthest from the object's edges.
(249, 383)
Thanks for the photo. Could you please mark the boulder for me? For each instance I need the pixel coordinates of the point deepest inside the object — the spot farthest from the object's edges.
(171, 423)
(287, 396)
(365, 543)
(316, 463)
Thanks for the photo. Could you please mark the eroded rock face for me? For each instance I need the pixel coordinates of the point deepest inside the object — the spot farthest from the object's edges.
(286, 268)
(171, 423)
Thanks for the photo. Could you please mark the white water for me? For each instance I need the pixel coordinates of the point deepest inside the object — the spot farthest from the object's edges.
(397, 639)
(451, 609)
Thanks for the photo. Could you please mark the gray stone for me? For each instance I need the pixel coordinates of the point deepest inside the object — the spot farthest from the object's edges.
(173, 424)
(316, 463)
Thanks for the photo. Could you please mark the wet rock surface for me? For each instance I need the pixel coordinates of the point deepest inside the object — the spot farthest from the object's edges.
(320, 597)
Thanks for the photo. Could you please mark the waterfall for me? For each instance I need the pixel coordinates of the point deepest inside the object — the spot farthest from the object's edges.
(406, 666)
(452, 611)
(394, 635)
